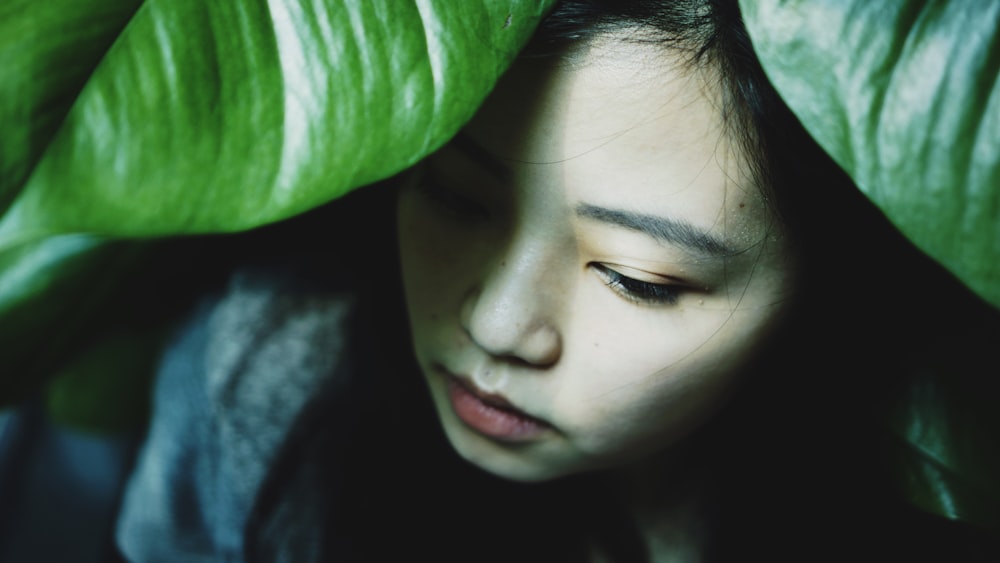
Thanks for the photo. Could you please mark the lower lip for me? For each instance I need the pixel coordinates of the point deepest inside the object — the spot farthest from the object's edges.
(493, 421)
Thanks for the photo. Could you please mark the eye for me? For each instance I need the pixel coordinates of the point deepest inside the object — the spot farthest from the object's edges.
(639, 291)
(436, 192)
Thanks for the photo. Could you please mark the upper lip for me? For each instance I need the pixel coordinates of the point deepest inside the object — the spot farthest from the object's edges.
(492, 399)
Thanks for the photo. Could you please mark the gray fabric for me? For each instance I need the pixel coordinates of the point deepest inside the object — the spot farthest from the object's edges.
(59, 488)
(229, 389)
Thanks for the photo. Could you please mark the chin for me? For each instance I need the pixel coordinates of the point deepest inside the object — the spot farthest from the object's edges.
(514, 470)
(524, 463)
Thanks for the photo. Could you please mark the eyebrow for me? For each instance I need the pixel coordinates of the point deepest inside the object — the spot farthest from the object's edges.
(476, 153)
(670, 231)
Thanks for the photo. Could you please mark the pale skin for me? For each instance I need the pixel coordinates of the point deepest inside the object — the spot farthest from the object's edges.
(595, 250)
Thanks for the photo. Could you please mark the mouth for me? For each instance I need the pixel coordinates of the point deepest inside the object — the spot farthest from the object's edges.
(490, 414)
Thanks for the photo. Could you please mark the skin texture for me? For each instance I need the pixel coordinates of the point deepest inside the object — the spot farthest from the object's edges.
(509, 286)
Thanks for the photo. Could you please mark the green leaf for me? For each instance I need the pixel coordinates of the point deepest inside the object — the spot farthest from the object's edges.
(946, 454)
(181, 117)
(49, 49)
(107, 388)
(51, 294)
(944, 422)
(905, 96)
(221, 116)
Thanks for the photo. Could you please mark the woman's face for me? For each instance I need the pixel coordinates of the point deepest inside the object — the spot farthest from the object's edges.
(589, 266)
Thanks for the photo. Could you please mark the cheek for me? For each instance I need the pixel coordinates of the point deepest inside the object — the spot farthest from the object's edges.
(421, 262)
(439, 260)
(427, 249)
(644, 381)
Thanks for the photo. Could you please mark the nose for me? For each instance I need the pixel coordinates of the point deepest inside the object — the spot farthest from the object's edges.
(513, 313)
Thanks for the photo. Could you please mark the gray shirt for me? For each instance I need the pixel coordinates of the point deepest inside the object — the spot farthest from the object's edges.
(230, 388)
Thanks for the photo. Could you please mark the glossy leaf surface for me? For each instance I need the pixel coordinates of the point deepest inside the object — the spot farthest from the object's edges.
(221, 116)
(906, 97)
(165, 117)
(49, 50)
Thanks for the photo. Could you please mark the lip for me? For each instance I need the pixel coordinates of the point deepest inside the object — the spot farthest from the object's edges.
(490, 414)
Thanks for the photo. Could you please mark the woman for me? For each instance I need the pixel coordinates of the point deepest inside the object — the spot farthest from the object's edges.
(626, 304)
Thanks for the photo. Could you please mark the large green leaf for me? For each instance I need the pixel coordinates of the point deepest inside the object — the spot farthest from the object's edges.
(905, 95)
(49, 288)
(49, 50)
(221, 116)
(183, 116)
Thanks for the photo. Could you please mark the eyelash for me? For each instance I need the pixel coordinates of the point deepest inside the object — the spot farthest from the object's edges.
(639, 291)
(634, 290)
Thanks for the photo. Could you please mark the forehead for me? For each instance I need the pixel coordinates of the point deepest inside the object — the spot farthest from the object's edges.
(626, 125)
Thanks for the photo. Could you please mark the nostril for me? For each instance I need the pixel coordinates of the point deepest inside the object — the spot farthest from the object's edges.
(539, 347)
(534, 346)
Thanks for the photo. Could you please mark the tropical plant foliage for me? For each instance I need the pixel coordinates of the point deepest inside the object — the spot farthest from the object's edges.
(137, 119)
(906, 98)
(130, 119)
